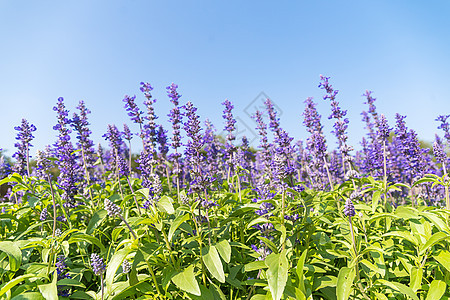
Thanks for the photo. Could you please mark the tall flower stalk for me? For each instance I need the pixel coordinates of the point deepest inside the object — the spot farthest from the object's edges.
(24, 137)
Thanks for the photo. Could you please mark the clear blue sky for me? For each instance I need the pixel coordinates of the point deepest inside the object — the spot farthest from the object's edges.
(98, 51)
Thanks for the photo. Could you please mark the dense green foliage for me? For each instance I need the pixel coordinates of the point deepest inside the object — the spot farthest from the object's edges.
(183, 251)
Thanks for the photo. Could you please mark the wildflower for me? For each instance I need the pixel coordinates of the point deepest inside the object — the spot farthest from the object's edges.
(22, 156)
(349, 209)
(126, 267)
(44, 214)
(98, 266)
(439, 153)
(112, 209)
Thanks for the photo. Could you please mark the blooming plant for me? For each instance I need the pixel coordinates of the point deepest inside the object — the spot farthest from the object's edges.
(201, 216)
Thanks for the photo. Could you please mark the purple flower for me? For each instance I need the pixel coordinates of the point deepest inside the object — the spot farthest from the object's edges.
(133, 110)
(80, 124)
(439, 153)
(112, 209)
(150, 127)
(24, 137)
(127, 133)
(98, 266)
(44, 214)
(43, 163)
(114, 137)
(445, 126)
(175, 116)
(349, 208)
(70, 171)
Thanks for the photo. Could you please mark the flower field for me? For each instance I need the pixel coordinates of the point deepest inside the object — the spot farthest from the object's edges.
(196, 215)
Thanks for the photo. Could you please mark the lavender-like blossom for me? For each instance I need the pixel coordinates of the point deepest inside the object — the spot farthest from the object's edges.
(61, 267)
(175, 117)
(263, 141)
(127, 133)
(122, 167)
(111, 208)
(126, 266)
(24, 137)
(98, 266)
(44, 214)
(114, 137)
(161, 138)
(133, 110)
(150, 127)
(439, 153)
(341, 123)
(445, 126)
(349, 208)
(80, 125)
(43, 163)
(67, 160)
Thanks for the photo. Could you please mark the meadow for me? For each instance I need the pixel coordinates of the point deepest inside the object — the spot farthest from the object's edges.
(202, 216)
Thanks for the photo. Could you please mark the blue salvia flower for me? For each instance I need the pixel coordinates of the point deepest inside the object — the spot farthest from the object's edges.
(341, 123)
(44, 214)
(126, 266)
(43, 163)
(123, 167)
(161, 138)
(24, 137)
(80, 124)
(263, 140)
(175, 118)
(193, 153)
(230, 128)
(414, 160)
(127, 133)
(67, 160)
(349, 208)
(111, 208)
(150, 127)
(61, 267)
(316, 143)
(133, 110)
(439, 153)
(445, 126)
(114, 137)
(98, 266)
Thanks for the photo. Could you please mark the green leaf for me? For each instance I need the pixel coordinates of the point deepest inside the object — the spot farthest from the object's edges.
(344, 283)
(29, 296)
(277, 273)
(10, 284)
(406, 212)
(403, 235)
(89, 239)
(14, 254)
(186, 281)
(415, 279)
(71, 282)
(299, 271)
(50, 290)
(435, 238)
(213, 263)
(113, 265)
(444, 259)
(176, 223)
(257, 221)
(399, 287)
(165, 205)
(224, 249)
(96, 219)
(437, 290)
(255, 265)
(375, 199)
